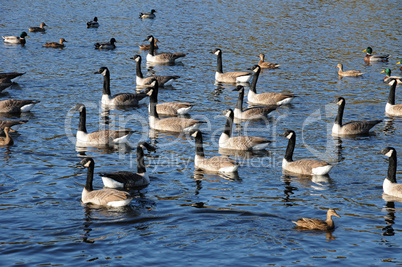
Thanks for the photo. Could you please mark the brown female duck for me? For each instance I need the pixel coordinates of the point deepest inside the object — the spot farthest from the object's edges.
(60, 44)
(317, 224)
(266, 65)
(7, 140)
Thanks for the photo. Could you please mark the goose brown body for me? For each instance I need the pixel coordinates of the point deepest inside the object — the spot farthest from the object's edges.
(16, 106)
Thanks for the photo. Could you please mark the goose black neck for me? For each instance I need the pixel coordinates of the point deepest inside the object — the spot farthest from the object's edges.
(229, 125)
(199, 149)
(90, 177)
(152, 47)
(138, 69)
(391, 96)
(290, 148)
(140, 160)
(106, 83)
(255, 79)
(392, 168)
(153, 101)
(339, 116)
(83, 117)
(239, 103)
(219, 65)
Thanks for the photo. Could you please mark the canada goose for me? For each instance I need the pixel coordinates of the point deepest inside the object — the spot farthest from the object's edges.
(388, 78)
(17, 106)
(147, 47)
(107, 45)
(317, 224)
(162, 57)
(93, 23)
(390, 107)
(250, 113)
(148, 15)
(126, 179)
(7, 140)
(10, 123)
(5, 83)
(266, 65)
(239, 142)
(353, 73)
(229, 77)
(173, 124)
(16, 39)
(41, 28)
(141, 81)
(303, 166)
(353, 127)
(103, 197)
(122, 99)
(270, 98)
(215, 164)
(10, 75)
(60, 44)
(374, 58)
(101, 137)
(390, 186)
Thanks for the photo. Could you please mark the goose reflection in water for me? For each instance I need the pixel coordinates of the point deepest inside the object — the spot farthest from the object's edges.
(389, 219)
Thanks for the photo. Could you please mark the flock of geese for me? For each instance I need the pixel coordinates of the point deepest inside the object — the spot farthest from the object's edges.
(118, 184)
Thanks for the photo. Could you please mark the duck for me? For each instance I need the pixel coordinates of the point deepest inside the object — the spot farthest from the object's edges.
(271, 98)
(317, 224)
(302, 166)
(399, 62)
(148, 15)
(126, 179)
(146, 81)
(250, 113)
(103, 197)
(352, 73)
(352, 127)
(10, 123)
(7, 140)
(216, 164)
(41, 28)
(122, 99)
(388, 77)
(390, 186)
(226, 141)
(390, 107)
(171, 124)
(374, 58)
(229, 77)
(164, 58)
(107, 45)
(16, 39)
(93, 23)
(60, 44)
(17, 106)
(266, 65)
(101, 137)
(147, 47)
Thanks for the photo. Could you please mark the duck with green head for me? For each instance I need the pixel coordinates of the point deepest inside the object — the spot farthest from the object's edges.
(388, 77)
(374, 58)
(16, 39)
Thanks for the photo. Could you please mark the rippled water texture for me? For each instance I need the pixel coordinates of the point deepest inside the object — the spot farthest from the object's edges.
(185, 217)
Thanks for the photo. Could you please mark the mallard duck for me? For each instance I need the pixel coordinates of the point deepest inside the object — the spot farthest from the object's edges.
(266, 65)
(390, 107)
(353, 73)
(107, 45)
(41, 28)
(229, 77)
(148, 15)
(388, 78)
(7, 140)
(93, 23)
(374, 58)
(147, 47)
(60, 44)
(318, 224)
(16, 39)
(390, 186)
(164, 58)
(17, 106)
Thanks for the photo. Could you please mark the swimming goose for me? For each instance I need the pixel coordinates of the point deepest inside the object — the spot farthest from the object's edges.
(215, 164)
(148, 15)
(93, 23)
(390, 186)
(141, 81)
(126, 179)
(60, 44)
(173, 124)
(10, 75)
(122, 99)
(303, 166)
(266, 65)
(388, 78)
(107, 45)
(162, 57)
(17, 106)
(101, 137)
(390, 107)
(352, 127)
(352, 73)
(229, 77)
(10, 123)
(271, 98)
(103, 197)
(317, 224)
(5, 83)
(226, 140)
(16, 39)
(374, 58)
(147, 47)
(7, 140)
(250, 113)
(41, 28)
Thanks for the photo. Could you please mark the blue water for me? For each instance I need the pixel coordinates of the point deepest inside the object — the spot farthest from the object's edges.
(186, 217)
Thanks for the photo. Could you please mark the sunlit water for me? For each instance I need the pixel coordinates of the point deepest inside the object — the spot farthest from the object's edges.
(185, 217)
